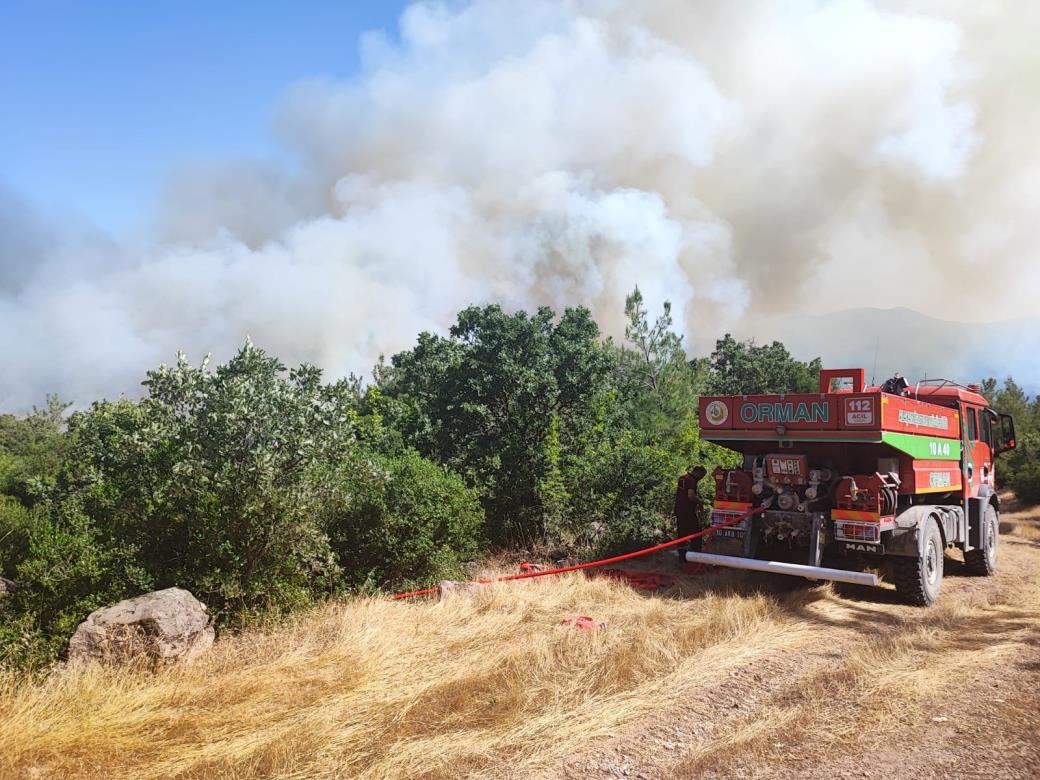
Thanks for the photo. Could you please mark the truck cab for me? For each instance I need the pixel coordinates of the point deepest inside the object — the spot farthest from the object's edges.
(853, 476)
(985, 433)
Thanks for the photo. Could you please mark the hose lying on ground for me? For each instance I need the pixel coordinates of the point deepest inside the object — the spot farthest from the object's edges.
(592, 564)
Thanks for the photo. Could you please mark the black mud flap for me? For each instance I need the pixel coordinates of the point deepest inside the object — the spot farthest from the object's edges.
(976, 515)
(902, 541)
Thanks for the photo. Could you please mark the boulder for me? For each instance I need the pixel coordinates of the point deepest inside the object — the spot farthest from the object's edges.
(162, 627)
(450, 588)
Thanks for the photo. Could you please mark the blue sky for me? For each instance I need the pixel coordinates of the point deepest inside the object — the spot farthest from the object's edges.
(100, 100)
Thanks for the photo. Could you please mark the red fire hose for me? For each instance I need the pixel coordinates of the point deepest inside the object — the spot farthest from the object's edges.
(593, 564)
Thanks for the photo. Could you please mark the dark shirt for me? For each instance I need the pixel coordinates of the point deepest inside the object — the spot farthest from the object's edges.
(686, 511)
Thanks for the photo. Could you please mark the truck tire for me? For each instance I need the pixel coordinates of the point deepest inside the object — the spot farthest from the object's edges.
(919, 580)
(982, 562)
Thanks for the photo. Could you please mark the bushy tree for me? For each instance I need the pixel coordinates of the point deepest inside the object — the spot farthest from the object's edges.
(567, 438)
(737, 367)
(216, 477)
(1011, 399)
(1020, 468)
(657, 384)
(481, 401)
(1026, 481)
(32, 449)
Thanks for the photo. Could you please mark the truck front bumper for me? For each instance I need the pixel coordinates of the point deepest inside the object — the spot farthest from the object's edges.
(775, 567)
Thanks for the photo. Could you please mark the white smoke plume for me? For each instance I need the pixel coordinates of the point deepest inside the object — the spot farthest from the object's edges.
(748, 161)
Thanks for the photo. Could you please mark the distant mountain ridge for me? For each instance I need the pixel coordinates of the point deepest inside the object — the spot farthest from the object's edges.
(914, 344)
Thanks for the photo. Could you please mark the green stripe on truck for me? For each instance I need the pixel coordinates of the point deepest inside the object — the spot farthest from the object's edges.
(923, 447)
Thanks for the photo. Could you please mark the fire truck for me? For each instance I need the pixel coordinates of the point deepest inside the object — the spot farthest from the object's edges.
(856, 480)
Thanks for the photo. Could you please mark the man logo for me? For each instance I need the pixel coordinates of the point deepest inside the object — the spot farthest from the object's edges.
(867, 548)
(716, 412)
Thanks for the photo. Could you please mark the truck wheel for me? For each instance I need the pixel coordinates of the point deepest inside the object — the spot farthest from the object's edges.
(982, 562)
(918, 580)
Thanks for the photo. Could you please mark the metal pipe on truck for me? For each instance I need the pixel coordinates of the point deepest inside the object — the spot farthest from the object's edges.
(776, 567)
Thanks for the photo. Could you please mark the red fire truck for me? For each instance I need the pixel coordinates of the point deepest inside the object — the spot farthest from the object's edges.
(853, 479)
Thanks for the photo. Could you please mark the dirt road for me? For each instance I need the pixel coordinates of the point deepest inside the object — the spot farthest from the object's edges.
(872, 688)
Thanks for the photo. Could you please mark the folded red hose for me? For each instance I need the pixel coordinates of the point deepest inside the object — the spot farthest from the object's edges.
(593, 564)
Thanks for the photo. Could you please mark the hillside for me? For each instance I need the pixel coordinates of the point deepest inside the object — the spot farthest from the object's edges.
(914, 344)
(709, 679)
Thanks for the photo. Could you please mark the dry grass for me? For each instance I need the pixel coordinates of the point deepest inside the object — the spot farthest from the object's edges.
(494, 686)
(469, 686)
(1023, 522)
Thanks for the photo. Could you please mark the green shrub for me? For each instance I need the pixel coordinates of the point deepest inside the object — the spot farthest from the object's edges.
(10, 468)
(401, 519)
(64, 569)
(32, 449)
(1026, 483)
(1020, 469)
(15, 523)
(622, 493)
(216, 479)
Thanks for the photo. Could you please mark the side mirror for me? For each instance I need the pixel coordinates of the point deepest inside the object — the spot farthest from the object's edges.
(1006, 439)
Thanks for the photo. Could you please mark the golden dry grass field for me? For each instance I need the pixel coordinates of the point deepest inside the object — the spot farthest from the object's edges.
(712, 678)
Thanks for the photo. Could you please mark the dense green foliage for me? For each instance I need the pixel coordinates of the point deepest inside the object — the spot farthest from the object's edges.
(570, 441)
(1020, 468)
(746, 367)
(400, 519)
(261, 489)
(249, 485)
(31, 450)
(484, 399)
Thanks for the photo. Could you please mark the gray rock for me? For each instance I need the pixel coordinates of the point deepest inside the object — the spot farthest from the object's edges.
(6, 586)
(162, 627)
(449, 588)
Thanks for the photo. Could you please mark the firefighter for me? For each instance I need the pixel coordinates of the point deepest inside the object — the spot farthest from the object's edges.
(689, 511)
